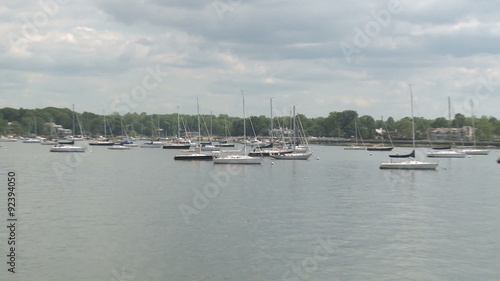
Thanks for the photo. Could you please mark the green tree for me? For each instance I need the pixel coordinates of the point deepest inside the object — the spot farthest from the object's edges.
(440, 122)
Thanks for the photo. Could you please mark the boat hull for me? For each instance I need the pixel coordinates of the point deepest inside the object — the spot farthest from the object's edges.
(355, 148)
(293, 156)
(104, 143)
(446, 154)
(119, 147)
(176, 146)
(66, 148)
(409, 165)
(476, 151)
(192, 157)
(382, 148)
(238, 159)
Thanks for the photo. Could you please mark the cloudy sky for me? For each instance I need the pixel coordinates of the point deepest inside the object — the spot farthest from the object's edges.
(156, 55)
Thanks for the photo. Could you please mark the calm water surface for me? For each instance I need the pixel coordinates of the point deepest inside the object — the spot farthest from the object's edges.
(139, 215)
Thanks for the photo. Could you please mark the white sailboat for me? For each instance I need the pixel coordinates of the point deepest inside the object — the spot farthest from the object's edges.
(382, 146)
(69, 147)
(410, 163)
(298, 153)
(356, 146)
(195, 154)
(474, 150)
(447, 153)
(238, 158)
(179, 142)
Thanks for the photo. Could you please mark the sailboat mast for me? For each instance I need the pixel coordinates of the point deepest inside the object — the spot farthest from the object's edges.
(104, 122)
(199, 124)
(294, 129)
(272, 132)
(356, 131)
(178, 123)
(473, 125)
(36, 133)
(412, 118)
(74, 133)
(449, 118)
(244, 125)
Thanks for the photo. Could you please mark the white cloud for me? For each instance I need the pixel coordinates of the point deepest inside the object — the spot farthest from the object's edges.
(288, 50)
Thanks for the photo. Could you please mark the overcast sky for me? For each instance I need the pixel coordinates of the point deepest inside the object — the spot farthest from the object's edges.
(322, 56)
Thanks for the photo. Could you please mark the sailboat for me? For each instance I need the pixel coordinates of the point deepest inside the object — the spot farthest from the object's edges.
(356, 146)
(35, 139)
(382, 147)
(238, 158)
(446, 152)
(60, 147)
(302, 153)
(103, 141)
(474, 150)
(178, 142)
(195, 154)
(411, 163)
(153, 143)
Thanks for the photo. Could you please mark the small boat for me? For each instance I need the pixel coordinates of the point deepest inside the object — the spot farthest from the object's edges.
(119, 147)
(152, 144)
(225, 144)
(269, 152)
(379, 148)
(194, 156)
(237, 159)
(292, 156)
(7, 139)
(49, 142)
(442, 147)
(355, 147)
(446, 154)
(412, 155)
(179, 143)
(66, 141)
(105, 142)
(476, 151)
(498, 160)
(32, 140)
(129, 143)
(411, 163)
(67, 148)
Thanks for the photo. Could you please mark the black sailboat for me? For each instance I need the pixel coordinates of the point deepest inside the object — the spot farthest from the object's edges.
(410, 155)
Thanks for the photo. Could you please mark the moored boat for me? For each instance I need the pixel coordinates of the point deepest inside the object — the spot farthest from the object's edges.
(446, 154)
(119, 147)
(410, 163)
(67, 148)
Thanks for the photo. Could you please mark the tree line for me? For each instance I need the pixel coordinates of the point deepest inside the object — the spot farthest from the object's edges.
(343, 124)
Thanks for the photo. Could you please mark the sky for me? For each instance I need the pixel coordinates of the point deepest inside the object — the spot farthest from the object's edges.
(161, 56)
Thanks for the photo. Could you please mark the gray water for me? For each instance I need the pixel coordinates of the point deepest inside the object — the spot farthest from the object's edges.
(139, 215)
